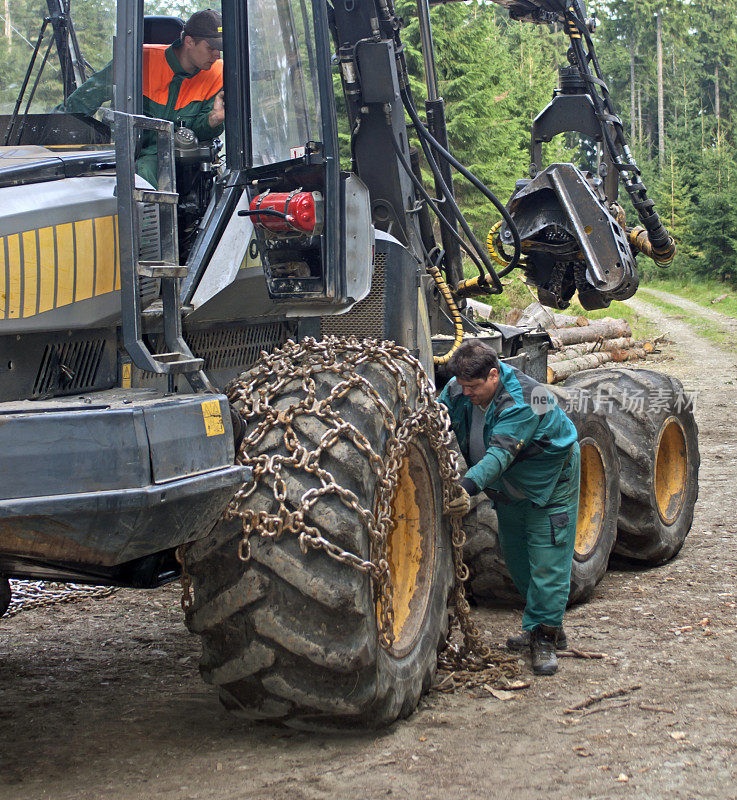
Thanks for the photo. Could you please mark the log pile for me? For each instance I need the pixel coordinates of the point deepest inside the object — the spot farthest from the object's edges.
(576, 342)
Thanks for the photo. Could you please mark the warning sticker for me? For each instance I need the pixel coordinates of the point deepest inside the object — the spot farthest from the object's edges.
(213, 417)
(126, 377)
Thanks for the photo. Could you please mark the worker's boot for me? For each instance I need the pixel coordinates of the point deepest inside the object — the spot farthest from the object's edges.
(542, 645)
(522, 641)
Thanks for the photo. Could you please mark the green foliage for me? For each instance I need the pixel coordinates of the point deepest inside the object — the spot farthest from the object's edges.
(695, 190)
(494, 76)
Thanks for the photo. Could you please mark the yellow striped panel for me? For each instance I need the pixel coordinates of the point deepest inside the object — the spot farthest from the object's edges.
(105, 263)
(47, 269)
(58, 265)
(64, 264)
(14, 275)
(30, 273)
(85, 247)
(116, 285)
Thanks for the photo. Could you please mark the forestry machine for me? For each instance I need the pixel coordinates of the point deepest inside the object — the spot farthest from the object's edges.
(302, 503)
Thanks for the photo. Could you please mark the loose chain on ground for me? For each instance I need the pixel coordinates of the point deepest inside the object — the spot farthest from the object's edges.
(415, 413)
(38, 594)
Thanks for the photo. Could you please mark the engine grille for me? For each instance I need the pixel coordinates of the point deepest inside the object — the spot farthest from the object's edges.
(366, 318)
(149, 250)
(237, 346)
(69, 367)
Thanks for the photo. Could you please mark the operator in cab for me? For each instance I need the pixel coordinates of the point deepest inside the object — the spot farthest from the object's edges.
(182, 82)
(522, 450)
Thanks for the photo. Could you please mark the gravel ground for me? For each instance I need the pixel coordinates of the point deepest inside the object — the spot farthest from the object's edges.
(102, 698)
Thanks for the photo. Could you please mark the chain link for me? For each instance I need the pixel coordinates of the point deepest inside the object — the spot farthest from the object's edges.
(27, 595)
(419, 414)
(187, 599)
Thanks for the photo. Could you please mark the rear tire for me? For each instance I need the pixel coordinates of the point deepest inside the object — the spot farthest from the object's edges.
(598, 505)
(292, 636)
(489, 578)
(657, 441)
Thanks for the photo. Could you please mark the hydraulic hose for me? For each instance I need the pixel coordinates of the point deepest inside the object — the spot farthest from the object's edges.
(504, 262)
(662, 244)
(430, 202)
(471, 286)
(639, 239)
(454, 312)
(453, 161)
(483, 279)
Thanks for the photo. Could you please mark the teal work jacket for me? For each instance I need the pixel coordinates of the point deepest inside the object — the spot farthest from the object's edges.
(527, 436)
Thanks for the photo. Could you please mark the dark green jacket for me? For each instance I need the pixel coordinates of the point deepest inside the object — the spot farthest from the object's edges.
(168, 93)
(525, 450)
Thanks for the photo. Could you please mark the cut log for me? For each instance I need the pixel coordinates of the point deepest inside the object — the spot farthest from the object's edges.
(567, 321)
(576, 350)
(482, 310)
(513, 316)
(559, 371)
(537, 315)
(601, 329)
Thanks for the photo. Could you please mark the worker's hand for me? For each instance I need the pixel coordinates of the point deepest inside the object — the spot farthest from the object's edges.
(217, 115)
(461, 505)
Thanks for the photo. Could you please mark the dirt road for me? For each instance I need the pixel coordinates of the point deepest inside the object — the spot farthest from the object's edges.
(102, 699)
(689, 306)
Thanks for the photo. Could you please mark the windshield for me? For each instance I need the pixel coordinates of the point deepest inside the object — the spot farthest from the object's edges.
(285, 110)
(43, 60)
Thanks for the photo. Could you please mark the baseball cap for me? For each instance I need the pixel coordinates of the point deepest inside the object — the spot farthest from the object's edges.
(207, 25)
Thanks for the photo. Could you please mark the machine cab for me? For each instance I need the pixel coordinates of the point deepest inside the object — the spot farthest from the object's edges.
(265, 227)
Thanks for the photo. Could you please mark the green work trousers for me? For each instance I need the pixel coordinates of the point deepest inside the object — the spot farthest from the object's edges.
(537, 544)
(147, 166)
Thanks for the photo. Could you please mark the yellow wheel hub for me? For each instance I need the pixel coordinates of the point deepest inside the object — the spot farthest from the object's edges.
(671, 470)
(411, 549)
(592, 499)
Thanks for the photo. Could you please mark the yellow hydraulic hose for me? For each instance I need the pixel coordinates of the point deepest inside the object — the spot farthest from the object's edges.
(638, 239)
(454, 312)
(471, 286)
(477, 284)
(490, 245)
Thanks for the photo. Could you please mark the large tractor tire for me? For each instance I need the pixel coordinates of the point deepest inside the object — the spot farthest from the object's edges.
(598, 501)
(489, 578)
(657, 440)
(596, 530)
(293, 635)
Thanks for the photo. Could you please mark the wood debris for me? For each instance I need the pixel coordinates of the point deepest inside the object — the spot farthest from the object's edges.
(597, 698)
(572, 652)
(608, 707)
(659, 709)
(577, 343)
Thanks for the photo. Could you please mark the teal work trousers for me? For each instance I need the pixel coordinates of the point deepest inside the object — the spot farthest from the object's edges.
(537, 544)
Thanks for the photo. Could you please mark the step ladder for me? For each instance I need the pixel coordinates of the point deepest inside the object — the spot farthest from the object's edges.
(178, 358)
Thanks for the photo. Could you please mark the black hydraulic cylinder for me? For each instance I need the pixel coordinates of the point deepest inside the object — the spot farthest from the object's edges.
(426, 232)
(435, 110)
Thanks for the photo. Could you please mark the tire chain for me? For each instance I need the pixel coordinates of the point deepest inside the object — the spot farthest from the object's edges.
(257, 389)
(27, 595)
